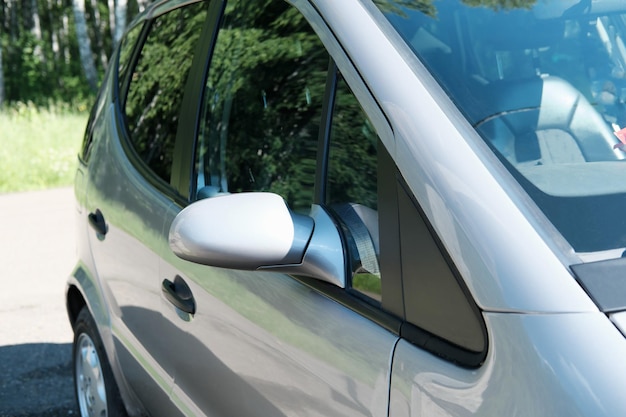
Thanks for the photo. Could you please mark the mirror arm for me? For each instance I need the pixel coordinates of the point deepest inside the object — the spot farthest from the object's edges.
(324, 258)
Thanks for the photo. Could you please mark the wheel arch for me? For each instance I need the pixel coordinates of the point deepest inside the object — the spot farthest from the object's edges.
(74, 303)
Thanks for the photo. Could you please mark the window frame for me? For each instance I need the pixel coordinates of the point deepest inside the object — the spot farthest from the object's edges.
(175, 189)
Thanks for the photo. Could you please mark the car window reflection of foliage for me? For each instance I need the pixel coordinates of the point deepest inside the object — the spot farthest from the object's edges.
(126, 49)
(352, 167)
(398, 7)
(429, 7)
(265, 90)
(501, 4)
(157, 86)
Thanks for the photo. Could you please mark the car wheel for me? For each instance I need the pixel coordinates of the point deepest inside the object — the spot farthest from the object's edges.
(96, 391)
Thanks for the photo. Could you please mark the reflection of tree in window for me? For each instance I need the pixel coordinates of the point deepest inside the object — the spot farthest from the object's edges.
(352, 167)
(263, 104)
(126, 49)
(157, 85)
(352, 192)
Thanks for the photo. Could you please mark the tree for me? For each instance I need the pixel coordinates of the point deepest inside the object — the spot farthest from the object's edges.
(120, 20)
(98, 29)
(84, 44)
(36, 30)
(1, 78)
(40, 39)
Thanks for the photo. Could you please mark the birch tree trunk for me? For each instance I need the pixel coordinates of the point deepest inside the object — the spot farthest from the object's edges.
(120, 20)
(36, 31)
(54, 36)
(111, 4)
(1, 79)
(65, 31)
(98, 32)
(141, 4)
(84, 44)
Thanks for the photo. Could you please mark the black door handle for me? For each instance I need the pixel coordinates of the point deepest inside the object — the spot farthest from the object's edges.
(96, 220)
(179, 294)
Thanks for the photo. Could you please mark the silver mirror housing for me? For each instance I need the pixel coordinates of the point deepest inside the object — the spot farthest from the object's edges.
(253, 231)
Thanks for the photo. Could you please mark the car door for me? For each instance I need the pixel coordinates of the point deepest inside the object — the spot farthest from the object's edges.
(254, 343)
(130, 191)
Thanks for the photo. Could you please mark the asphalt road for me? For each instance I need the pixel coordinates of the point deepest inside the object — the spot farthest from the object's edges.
(37, 253)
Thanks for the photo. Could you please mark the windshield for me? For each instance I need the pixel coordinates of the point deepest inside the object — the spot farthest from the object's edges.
(544, 84)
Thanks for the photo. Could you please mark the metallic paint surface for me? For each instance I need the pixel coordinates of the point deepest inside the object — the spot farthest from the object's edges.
(242, 231)
(126, 267)
(538, 365)
(264, 344)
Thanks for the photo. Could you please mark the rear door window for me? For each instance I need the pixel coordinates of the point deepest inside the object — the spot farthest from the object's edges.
(157, 85)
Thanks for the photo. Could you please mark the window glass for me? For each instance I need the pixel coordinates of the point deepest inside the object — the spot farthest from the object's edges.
(352, 188)
(262, 105)
(157, 85)
(547, 94)
(126, 49)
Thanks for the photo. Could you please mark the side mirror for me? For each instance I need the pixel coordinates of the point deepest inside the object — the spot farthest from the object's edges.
(257, 231)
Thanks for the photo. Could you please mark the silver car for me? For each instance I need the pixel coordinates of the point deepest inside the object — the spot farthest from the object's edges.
(356, 208)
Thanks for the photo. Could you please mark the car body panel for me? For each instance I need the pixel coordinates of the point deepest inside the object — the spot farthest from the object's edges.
(126, 262)
(528, 371)
(263, 343)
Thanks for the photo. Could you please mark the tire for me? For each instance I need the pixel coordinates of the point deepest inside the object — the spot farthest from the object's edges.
(96, 392)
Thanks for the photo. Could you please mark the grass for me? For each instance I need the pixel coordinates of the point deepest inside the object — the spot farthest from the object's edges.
(38, 147)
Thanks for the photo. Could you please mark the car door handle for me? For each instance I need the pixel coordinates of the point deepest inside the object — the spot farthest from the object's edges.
(179, 294)
(96, 220)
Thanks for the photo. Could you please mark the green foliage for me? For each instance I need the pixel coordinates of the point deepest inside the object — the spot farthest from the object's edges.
(40, 58)
(367, 283)
(502, 4)
(264, 97)
(39, 146)
(158, 83)
(353, 138)
(398, 6)
(429, 7)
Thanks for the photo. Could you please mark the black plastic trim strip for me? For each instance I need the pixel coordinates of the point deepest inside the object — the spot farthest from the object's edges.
(182, 178)
(605, 282)
(323, 147)
(433, 343)
(441, 347)
(409, 332)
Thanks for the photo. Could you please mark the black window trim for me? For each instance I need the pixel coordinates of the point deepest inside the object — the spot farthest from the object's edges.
(424, 339)
(191, 107)
(323, 148)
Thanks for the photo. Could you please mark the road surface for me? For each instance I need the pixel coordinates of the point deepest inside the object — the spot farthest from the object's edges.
(37, 253)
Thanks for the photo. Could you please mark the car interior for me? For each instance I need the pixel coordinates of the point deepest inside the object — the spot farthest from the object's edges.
(545, 87)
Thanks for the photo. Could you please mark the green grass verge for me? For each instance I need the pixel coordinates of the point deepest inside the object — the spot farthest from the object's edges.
(38, 147)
